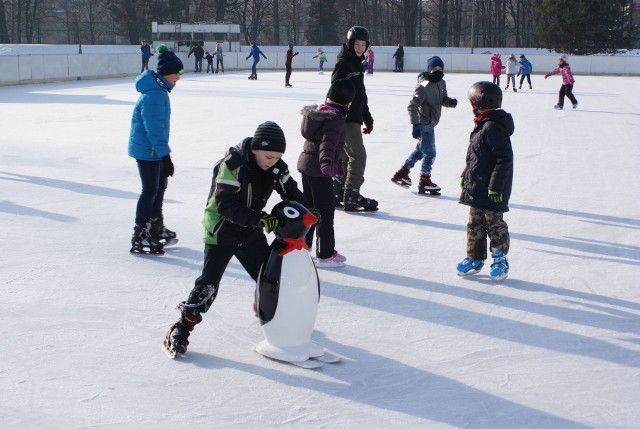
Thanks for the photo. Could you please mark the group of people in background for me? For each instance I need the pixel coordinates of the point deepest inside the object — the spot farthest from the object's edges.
(332, 166)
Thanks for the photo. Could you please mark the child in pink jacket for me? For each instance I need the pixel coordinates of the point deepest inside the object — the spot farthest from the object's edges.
(496, 68)
(567, 83)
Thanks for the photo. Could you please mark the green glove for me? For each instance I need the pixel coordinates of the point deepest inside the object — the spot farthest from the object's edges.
(461, 182)
(495, 197)
(268, 222)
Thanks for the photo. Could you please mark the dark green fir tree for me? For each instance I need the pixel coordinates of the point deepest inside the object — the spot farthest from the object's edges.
(584, 27)
(322, 25)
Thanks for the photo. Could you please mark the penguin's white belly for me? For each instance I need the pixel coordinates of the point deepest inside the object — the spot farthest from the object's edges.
(288, 334)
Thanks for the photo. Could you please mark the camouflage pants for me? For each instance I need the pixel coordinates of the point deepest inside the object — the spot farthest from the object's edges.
(483, 224)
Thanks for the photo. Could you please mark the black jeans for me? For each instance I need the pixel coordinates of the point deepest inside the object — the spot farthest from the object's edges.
(154, 183)
(287, 74)
(566, 90)
(216, 258)
(318, 191)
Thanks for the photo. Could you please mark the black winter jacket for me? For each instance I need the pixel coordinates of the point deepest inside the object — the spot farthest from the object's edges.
(350, 66)
(239, 192)
(323, 128)
(489, 162)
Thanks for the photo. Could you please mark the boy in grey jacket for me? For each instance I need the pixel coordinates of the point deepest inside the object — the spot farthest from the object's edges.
(425, 109)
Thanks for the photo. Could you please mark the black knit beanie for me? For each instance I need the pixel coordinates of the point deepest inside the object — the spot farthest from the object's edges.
(342, 91)
(269, 136)
(168, 62)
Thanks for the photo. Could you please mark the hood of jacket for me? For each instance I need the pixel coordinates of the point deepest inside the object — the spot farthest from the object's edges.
(150, 80)
(314, 116)
(503, 119)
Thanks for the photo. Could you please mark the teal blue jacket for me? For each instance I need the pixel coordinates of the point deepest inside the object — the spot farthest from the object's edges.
(149, 135)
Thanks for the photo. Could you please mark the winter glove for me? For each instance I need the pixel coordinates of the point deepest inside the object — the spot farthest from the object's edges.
(454, 103)
(367, 128)
(495, 197)
(415, 133)
(326, 166)
(168, 166)
(461, 182)
(247, 57)
(546, 75)
(268, 222)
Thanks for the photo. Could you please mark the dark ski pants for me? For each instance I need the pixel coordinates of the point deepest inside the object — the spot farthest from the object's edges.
(568, 91)
(528, 76)
(496, 80)
(251, 256)
(287, 75)
(219, 64)
(154, 183)
(318, 191)
(482, 224)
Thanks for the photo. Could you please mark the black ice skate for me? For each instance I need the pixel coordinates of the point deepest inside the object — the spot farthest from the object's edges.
(401, 178)
(354, 202)
(177, 338)
(142, 242)
(161, 233)
(426, 185)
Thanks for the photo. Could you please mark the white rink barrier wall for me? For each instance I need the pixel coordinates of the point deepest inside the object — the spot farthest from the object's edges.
(20, 64)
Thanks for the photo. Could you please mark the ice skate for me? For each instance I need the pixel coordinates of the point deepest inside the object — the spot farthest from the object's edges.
(142, 242)
(469, 266)
(426, 185)
(558, 107)
(177, 338)
(355, 202)
(335, 261)
(575, 106)
(401, 178)
(161, 233)
(514, 89)
(500, 266)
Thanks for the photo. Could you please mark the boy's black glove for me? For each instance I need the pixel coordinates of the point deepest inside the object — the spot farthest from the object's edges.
(268, 222)
(415, 132)
(168, 166)
(454, 103)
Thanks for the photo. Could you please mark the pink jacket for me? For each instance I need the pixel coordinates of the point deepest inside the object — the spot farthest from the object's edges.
(567, 76)
(496, 65)
(370, 55)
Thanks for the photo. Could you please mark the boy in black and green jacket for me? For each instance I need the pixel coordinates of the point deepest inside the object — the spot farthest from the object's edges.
(234, 221)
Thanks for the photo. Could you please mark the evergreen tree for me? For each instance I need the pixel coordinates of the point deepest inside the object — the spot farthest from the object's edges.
(322, 24)
(584, 27)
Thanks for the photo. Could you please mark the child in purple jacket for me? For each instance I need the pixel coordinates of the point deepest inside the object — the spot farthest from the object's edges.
(567, 83)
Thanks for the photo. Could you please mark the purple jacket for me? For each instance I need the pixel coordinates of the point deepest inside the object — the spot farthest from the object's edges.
(323, 128)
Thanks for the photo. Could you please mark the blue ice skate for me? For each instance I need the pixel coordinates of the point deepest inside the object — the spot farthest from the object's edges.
(469, 266)
(500, 266)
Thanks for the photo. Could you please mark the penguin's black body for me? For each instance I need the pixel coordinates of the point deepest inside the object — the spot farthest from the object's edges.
(288, 289)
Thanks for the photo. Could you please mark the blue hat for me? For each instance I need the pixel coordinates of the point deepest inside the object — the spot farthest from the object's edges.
(434, 62)
(168, 62)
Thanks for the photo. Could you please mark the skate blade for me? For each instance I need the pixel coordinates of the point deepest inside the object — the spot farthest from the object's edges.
(139, 251)
(401, 183)
(169, 242)
(169, 351)
(468, 273)
(360, 210)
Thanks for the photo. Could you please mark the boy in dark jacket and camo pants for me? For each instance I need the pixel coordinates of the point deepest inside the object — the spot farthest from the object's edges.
(486, 181)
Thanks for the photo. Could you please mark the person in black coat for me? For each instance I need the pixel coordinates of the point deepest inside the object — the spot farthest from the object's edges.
(399, 56)
(486, 181)
(350, 66)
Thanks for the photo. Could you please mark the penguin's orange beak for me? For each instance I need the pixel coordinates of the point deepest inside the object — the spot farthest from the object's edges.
(308, 219)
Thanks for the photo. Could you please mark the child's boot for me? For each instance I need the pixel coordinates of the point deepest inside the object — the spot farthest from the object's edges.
(500, 266)
(426, 185)
(402, 177)
(469, 266)
(161, 233)
(143, 242)
(177, 338)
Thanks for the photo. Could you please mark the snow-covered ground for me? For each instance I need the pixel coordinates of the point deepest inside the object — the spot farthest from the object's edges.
(556, 345)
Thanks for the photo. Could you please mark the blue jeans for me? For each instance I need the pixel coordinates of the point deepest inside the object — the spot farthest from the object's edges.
(154, 183)
(425, 150)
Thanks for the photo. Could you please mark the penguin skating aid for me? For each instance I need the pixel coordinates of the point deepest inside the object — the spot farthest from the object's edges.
(288, 291)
